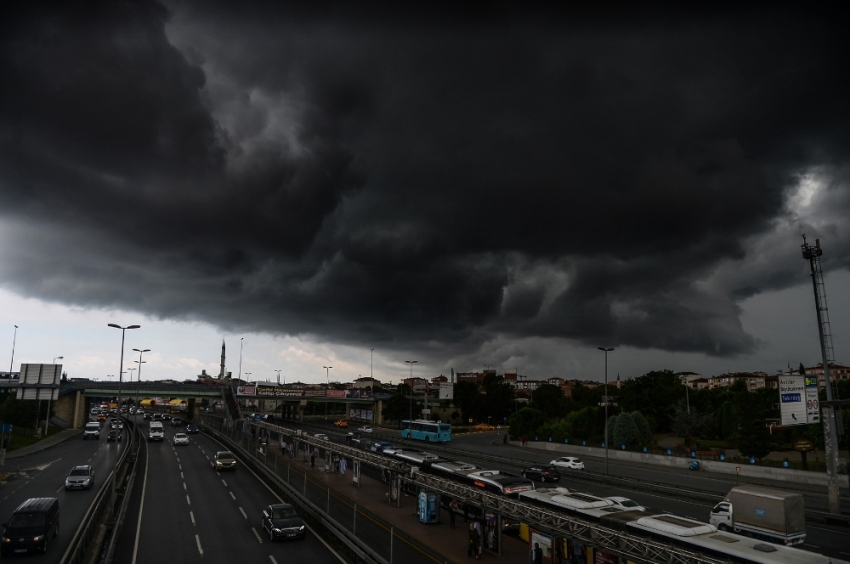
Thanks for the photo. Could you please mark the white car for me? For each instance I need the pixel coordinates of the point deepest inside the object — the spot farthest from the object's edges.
(321, 436)
(568, 462)
(181, 439)
(365, 429)
(626, 503)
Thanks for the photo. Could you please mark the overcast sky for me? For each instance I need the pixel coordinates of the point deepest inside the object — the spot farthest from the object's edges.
(484, 184)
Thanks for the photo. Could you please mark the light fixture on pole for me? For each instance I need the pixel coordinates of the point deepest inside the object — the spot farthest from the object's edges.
(410, 421)
(605, 400)
(140, 362)
(114, 494)
(241, 340)
(49, 397)
(14, 340)
(278, 377)
(247, 379)
(328, 376)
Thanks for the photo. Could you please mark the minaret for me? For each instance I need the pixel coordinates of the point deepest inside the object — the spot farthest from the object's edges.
(221, 373)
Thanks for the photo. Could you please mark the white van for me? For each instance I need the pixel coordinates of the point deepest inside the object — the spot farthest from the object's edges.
(155, 433)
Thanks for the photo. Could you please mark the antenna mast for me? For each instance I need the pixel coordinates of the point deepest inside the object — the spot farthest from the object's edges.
(813, 254)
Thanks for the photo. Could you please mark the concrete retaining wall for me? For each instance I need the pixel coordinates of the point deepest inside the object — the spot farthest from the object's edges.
(747, 470)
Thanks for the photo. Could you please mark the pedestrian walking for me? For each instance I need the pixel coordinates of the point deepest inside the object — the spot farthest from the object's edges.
(505, 439)
(343, 465)
(472, 542)
(522, 440)
(479, 529)
(313, 458)
(291, 450)
(452, 513)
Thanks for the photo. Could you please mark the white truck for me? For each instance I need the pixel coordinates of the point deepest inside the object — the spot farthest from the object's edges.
(774, 515)
(155, 431)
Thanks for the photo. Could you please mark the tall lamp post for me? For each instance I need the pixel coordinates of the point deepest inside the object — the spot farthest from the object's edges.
(140, 362)
(605, 399)
(12, 362)
(241, 340)
(278, 377)
(49, 397)
(114, 493)
(410, 421)
(328, 376)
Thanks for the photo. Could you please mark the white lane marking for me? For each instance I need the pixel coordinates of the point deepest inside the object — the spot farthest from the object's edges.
(184, 487)
(272, 559)
(810, 545)
(225, 483)
(256, 534)
(60, 489)
(243, 513)
(180, 467)
(182, 477)
(189, 501)
(192, 517)
(233, 496)
(198, 540)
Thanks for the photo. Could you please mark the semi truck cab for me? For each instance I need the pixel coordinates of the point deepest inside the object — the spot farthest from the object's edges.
(721, 516)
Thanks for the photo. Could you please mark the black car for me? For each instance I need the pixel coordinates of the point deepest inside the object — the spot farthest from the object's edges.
(542, 473)
(191, 428)
(147, 416)
(176, 421)
(114, 435)
(281, 521)
(166, 417)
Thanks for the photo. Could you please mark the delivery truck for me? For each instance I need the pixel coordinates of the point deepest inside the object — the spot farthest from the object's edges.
(767, 513)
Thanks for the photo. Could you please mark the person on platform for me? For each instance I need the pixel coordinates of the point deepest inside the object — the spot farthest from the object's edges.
(473, 541)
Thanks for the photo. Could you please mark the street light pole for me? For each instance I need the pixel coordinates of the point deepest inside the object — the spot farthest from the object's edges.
(410, 421)
(12, 362)
(328, 376)
(114, 493)
(241, 339)
(49, 397)
(371, 365)
(606, 351)
(140, 362)
(278, 377)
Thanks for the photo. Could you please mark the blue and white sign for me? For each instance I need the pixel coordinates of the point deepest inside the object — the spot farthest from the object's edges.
(812, 402)
(792, 400)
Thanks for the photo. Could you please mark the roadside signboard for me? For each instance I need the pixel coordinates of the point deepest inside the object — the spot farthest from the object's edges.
(792, 400)
(812, 402)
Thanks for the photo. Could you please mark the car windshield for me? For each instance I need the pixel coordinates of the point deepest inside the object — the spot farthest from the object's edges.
(628, 503)
(79, 472)
(284, 513)
(224, 456)
(26, 520)
(179, 436)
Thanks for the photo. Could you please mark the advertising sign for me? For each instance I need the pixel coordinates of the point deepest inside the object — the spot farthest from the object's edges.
(792, 400)
(40, 381)
(446, 391)
(542, 541)
(812, 402)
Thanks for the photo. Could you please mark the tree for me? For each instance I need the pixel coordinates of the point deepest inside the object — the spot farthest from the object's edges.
(396, 408)
(467, 398)
(644, 431)
(751, 411)
(691, 424)
(526, 421)
(655, 394)
(550, 400)
(625, 431)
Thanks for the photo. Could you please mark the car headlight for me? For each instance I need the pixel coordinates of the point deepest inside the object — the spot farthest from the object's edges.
(275, 529)
(38, 538)
(301, 528)
(87, 481)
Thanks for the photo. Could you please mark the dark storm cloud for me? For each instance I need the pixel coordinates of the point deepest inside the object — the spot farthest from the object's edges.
(419, 177)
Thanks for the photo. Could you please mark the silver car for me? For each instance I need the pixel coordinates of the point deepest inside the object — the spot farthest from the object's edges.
(80, 478)
(181, 439)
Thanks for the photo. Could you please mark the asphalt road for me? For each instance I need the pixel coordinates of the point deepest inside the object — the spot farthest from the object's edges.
(42, 474)
(181, 510)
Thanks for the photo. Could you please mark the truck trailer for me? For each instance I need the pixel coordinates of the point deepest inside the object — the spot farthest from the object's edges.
(767, 513)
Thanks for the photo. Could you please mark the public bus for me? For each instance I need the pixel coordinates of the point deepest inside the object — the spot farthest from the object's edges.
(428, 431)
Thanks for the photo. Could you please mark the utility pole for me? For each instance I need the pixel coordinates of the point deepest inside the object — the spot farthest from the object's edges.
(830, 437)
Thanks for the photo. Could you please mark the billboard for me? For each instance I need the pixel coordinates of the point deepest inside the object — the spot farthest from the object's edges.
(792, 400)
(446, 391)
(40, 381)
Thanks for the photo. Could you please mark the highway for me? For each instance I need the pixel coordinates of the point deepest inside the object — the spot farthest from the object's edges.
(43, 475)
(181, 510)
